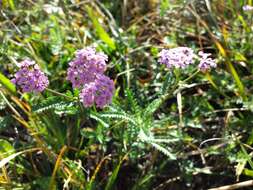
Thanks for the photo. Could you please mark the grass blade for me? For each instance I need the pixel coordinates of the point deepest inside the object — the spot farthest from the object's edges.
(57, 165)
(4, 161)
(7, 84)
(103, 35)
(113, 177)
(91, 182)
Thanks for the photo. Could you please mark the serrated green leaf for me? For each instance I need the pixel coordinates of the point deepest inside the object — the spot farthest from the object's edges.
(51, 103)
(118, 116)
(97, 118)
(152, 107)
(164, 151)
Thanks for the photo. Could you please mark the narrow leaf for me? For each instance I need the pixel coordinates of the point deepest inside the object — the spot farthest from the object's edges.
(9, 158)
(114, 175)
(103, 35)
(7, 84)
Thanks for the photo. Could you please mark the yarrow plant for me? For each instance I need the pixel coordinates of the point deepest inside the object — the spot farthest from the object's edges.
(181, 57)
(86, 71)
(29, 77)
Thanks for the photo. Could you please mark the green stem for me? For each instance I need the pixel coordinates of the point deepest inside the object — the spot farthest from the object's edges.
(191, 76)
(58, 93)
(9, 104)
(167, 95)
(80, 106)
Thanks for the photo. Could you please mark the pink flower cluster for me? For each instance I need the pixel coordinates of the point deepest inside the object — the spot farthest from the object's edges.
(30, 78)
(247, 8)
(86, 71)
(86, 65)
(100, 91)
(181, 57)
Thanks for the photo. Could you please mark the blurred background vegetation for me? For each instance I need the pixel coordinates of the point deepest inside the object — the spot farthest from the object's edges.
(48, 142)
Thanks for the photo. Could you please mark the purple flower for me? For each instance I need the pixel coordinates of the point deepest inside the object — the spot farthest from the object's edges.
(206, 62)
(179, 57)
(29, 77)
(86, 71)
(247, 8)
(100, 92)
(86, 65)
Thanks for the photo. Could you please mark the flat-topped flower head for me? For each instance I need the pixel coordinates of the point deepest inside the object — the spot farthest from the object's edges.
(179, 57)
(85, 66)
(247, 8)
(206, 62)
(29, 77)
(99, 92)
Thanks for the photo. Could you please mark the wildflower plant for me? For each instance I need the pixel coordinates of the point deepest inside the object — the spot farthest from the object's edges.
(86, 73)
(141, 120)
